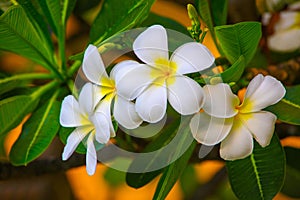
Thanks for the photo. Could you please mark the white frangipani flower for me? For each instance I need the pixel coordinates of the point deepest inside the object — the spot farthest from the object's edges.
(106, 91)
(94, 126)
(233, 124)
(161, 77)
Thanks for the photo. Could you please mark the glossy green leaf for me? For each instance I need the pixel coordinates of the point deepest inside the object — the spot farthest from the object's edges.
(137, 180)
(38, 22)
(235, 71)
(14, 109)
(37, 134)
(19, 35)
(116, 16)
(172, 173)
(8, 84)
(292, 176)
(239, 39)
(260, 175)
(288, 109)
(219, 12)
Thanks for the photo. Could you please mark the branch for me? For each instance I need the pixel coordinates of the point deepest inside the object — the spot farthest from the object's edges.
(40, 167)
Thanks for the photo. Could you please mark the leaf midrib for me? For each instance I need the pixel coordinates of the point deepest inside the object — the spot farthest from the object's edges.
(257, 176)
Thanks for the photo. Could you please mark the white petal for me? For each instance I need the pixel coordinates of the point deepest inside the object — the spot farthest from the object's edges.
(238, 144)
(284, 41)
(74, 139)
(151, 105)
(91, 156)
(122, 67)
(125, 114)
(104, 107)
(262, 92)
(261, 125)
(220, 101)
(70, 114)
(209, 130)
(185, 95)
(131, 81)
(92, 65)
(192, 57)
(151, 45)
(86, 98)
(102, 126)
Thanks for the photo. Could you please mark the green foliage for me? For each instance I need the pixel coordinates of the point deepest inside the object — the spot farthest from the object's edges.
(260, 175)
(8, 84)
(114, 177)
(20, 36)
(292, 176)
(188, 181)
(173, 172)
(239, 39)
(37, 134)
(288, 109)
(116, 16)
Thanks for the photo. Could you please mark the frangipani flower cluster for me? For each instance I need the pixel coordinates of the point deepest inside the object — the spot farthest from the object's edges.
(136, 92)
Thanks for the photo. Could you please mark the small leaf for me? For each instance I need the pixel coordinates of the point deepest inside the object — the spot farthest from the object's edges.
(172, 173)
(239, 39)
(14, 109)
(292, 176)
(37, 134)
(205, 14)
(288, 109)
(235, 71)
(137, 180)
(116, 16)
(8, 84)
(260, 175)
(19, 35)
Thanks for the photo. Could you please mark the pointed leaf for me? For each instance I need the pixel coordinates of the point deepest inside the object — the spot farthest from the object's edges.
(116, 16)
(37, 134)
(260, 175)
(19, 35)
(239, 39)
(219, 12)
(8, 84)
(14, 109)
(172, 173)
(288, 109)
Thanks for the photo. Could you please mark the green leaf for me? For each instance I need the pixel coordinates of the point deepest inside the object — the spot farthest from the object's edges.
(288, 109)
(116, 16)
(235, 71)
(37, 134)
(205, 15)
(165, 22)
(137, 180)
(14, 109)
(292, 176)
(38, 22)
(114, 177)
(19, 35)
(8, 84)
(188, 181)
(260, 175)
(172, 173)
(239, 39)
(219, 12)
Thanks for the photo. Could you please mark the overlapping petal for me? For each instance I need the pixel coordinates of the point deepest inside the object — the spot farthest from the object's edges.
(105, 108)
(151, 105)
(92, 65)
(91, 156)
(101, 124)
(209, 130)
(261, 125)
(74, 139)
(220, 101)
(185, 95)
(86, 98)
(152, 44)
(125, 114)
(192, 57)
(132, 81)
(70, 114)
(238, 144)
(262, 92)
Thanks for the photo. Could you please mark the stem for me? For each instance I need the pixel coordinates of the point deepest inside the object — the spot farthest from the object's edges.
(61, 49)
(74, 68)
(30, 76)
(72, 88)
(39, 92)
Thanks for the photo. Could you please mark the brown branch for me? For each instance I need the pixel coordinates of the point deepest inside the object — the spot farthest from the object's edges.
(40, 167)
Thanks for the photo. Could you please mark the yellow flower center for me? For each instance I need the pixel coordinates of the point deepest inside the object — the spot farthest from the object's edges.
(108, 88)
(164, 70)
